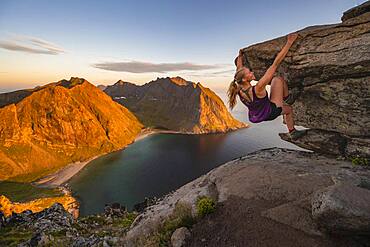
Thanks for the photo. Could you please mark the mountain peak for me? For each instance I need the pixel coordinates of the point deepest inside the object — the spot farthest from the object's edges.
(120, 82)
(74, 81)
(179, 81)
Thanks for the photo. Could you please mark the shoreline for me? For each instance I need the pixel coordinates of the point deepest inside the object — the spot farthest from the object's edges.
(64, 174)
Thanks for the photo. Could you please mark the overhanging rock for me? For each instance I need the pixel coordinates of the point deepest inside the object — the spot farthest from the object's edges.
(330, 65)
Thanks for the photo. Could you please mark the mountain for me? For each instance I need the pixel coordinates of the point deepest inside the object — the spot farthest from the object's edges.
(48, 127)
(101, 87)
(175, 104)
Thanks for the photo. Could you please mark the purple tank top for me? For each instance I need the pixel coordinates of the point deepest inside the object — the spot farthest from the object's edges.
(259, 108)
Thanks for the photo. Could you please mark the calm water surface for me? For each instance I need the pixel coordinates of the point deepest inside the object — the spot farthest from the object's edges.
(161, 163)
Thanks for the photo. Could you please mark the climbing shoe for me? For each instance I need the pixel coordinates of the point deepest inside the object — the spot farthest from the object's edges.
(296, 134)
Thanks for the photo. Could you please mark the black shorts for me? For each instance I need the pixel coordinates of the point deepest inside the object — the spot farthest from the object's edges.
(275, 112)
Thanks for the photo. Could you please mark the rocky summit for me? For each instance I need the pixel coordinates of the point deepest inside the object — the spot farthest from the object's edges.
(329, 66)
(175, 104)
(57, 124)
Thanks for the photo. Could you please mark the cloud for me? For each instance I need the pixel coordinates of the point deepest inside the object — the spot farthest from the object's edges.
(144, 67)
(223, 73)
(31, 44)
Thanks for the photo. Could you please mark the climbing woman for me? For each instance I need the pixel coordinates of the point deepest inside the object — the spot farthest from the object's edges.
(260, 106)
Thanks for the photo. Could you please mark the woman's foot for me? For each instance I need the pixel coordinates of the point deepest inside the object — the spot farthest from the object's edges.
(296, 134)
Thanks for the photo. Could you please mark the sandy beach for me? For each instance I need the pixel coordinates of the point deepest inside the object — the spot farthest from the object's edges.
(61, 176)
(64, 174)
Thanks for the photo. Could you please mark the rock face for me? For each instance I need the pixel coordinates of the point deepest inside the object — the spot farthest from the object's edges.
(175, 104)
(280, 182)
(331, 142)
(342, 209)
(60, 123)
(330, 65)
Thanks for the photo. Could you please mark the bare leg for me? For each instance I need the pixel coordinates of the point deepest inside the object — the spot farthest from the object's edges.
(279, 89)
(289, 117)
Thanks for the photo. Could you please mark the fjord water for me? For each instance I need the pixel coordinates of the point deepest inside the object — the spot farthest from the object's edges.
(161, 163)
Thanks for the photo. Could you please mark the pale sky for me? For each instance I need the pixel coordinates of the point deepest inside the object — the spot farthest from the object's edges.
(138, 41)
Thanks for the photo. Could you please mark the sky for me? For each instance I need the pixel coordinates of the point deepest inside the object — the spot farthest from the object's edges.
(138, 41)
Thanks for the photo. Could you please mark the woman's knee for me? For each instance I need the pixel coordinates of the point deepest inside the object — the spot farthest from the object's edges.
(278, 80)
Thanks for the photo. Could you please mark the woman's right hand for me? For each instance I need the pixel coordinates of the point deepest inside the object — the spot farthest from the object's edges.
(291, 38)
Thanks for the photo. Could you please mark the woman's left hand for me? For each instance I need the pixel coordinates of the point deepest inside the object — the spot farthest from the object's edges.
(291, 38)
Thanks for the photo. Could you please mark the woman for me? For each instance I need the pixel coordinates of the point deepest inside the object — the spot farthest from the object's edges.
(261, 108)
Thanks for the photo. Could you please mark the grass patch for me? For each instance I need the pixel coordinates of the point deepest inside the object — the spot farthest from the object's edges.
(59, 234)
(11, 236)
(181, 217)
(126, 221)
(93, 220)
(205, 205)
(360, 161)
(22, 192)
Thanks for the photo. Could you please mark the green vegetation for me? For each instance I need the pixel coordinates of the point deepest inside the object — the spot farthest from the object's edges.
(11, 236)
(126, 221)
(93, 220)
(59, 234)
(22, 192)
(359, 161)
(181, 217)
(205, 205)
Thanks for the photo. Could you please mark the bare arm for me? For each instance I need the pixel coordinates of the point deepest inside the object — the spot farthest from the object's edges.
(267, 77)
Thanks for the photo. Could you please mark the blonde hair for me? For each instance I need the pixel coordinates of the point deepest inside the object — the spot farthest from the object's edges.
(234, 87)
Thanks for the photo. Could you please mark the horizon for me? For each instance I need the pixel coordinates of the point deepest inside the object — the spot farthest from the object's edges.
(137, 43)
(113, 83)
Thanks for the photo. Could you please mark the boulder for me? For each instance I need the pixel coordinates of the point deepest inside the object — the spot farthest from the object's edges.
(55, 218)
(41, 239)
(179, 236)
(114, 210)
(342, 209)
(141, 206)
(330, 66)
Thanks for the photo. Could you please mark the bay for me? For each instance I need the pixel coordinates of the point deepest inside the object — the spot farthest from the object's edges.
(161, 163)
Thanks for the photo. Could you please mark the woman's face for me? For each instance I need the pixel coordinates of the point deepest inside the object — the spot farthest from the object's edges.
(248, 75)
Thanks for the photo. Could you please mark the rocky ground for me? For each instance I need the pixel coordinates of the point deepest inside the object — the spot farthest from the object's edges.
(293, 198)
(267, 197)
(240, 222)
(55, 227)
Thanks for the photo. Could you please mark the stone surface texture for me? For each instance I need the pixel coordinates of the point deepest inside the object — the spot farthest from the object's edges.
(330, 66)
